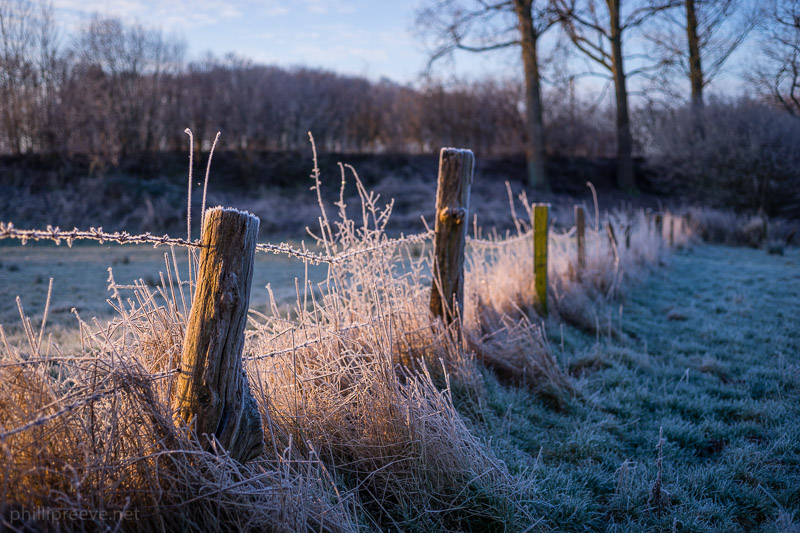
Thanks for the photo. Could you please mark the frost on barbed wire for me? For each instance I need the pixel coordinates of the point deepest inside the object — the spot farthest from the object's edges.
(56, 234)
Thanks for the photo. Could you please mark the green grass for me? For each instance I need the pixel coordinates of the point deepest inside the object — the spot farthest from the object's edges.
(711, 354)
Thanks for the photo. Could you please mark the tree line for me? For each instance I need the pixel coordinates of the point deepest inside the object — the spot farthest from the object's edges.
(118, 91)
(663, 39)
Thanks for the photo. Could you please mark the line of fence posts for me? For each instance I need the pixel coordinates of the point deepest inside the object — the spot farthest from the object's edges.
(213, 396)
(456, 169)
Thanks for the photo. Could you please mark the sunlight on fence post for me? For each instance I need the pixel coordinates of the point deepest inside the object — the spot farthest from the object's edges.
(540, 234)
(213, 395)
(452, 209)
(580, 237)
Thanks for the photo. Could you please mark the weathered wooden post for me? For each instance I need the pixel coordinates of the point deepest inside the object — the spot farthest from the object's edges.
(671, 230)
(212, 394)
(612, 241)
(580, 237)
(540, 234)
(452, 210)
(659, 221)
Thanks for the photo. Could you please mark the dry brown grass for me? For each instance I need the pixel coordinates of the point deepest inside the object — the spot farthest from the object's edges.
(355, 387)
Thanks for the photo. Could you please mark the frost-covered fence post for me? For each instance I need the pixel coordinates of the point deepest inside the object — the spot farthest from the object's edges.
(213, 395)
(540, 233)
(628, 231)
(659, 222)
(612, 236)
(452, 210)
(671, 230)
(580, 237)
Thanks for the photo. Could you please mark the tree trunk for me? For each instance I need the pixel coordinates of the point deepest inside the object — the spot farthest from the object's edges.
(534, 146)
(625, 178)
(695, 67)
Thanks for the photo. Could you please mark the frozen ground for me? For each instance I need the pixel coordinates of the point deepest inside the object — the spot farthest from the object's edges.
(80, 277)
(710, 353)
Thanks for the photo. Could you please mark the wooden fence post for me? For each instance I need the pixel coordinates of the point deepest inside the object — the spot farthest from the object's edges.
(213, 395)
(671, 230)
(540, 234)
(580, 237)
(452, 210)
(612, 241)
(628, 231)
(659, 222)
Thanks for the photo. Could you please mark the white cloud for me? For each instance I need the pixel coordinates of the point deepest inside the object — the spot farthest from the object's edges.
(323, 7)
(175, 14)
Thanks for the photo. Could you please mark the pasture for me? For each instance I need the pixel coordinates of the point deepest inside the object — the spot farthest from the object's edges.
(537, 424)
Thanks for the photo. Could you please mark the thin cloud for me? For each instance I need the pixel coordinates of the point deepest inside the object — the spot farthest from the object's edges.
(180, 14)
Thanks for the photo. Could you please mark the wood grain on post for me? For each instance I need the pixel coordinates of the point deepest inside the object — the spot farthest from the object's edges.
(580, 236)
(540, 233)
(213, 395)
(452, 209)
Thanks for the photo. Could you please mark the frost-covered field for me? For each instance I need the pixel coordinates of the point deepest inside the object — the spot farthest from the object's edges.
(711, 355)
(80, 277)
(704, 351)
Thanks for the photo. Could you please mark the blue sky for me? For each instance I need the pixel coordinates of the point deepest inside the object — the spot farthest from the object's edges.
(373, 38)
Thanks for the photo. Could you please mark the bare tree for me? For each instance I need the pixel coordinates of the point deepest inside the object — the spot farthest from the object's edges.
(487, 25)
(598, 33)
(130, 66)
(778, 74)
(17, 69)
(699, 38)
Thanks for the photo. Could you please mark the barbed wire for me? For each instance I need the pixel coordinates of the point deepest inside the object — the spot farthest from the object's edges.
(485, 243)
(56, 234)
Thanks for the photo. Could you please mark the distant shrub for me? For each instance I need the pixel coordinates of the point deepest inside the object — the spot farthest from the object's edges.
(740, 154)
